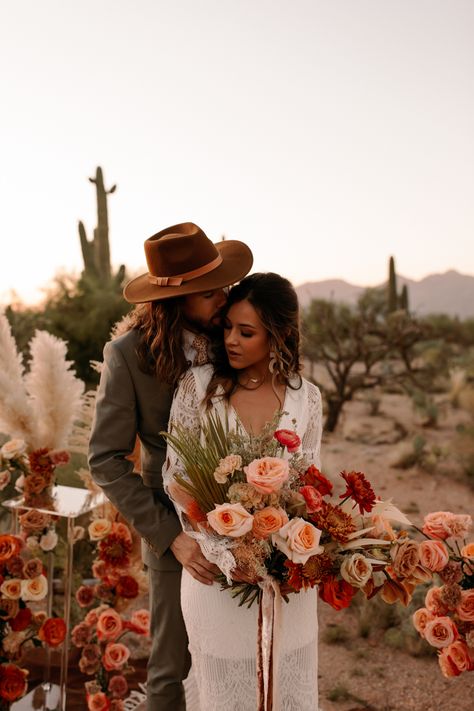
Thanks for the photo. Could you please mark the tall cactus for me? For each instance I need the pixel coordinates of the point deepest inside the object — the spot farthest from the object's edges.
(392, 287)
(404, 298)
(96, 252)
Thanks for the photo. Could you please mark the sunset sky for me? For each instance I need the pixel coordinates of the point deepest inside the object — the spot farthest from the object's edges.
(327, 135)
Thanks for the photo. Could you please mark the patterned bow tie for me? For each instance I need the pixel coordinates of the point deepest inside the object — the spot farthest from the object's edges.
(200, 345)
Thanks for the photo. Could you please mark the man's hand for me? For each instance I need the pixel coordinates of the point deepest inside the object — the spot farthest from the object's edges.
(186, 550)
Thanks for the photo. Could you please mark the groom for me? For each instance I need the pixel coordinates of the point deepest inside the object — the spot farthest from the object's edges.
(177, 305)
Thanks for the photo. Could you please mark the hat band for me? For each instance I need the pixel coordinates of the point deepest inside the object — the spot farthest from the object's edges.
(178, 279)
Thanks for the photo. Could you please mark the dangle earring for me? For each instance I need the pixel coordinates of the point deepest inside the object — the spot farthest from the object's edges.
(273, 364)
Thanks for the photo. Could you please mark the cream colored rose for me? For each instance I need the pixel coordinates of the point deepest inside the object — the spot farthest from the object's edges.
(356, 570)
(298, 540)
(267, 474)
(13, 448)
(230, 520)
(5, 478)
(99, 528)
(441, 632)
(433, 555)
(34, 589)
(11, 588)
(49, 540)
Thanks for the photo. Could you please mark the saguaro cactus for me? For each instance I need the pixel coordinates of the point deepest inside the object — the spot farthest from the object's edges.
(96, 252)
(392, 287)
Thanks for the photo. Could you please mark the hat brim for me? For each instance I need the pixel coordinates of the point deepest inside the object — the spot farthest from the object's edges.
(237, 260)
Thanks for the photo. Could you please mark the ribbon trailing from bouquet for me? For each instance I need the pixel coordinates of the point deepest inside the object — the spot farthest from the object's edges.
(268, 645)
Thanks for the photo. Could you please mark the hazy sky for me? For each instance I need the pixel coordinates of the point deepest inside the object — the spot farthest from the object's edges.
(326, 134)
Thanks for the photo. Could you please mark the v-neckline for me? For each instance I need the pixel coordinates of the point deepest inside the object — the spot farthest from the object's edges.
(239, 422)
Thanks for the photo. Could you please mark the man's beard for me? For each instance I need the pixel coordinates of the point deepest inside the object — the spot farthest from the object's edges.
(212, 328)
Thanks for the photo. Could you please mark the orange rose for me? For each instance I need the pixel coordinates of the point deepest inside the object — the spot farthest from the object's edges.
(268, 520)
(11, 588)
(93, 615)
(465, 609)
(434, 555)
(140, 619)
(298, 540)
(98, 702)
(115, 656)
(230, 520)
(267, 474)
(434, 601)
(99, 528)
(13, 682)
(441, 632)
(421, 618)
(52, 631)
(9, 546)
(456, 659)
(109, 625)
(337, 593)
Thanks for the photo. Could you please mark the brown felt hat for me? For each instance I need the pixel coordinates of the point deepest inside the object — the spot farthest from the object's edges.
(182, 260)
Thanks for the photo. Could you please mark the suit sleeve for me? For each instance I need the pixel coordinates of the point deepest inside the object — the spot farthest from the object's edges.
(113, 434)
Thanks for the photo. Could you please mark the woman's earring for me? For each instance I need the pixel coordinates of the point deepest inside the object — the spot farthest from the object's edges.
(273, 364)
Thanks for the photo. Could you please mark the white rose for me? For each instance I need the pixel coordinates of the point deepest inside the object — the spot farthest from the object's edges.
(356, 570)
(34, 589)
(5, 478)
(49, 540)
(298, 540)
(32, 543)
(13, 448)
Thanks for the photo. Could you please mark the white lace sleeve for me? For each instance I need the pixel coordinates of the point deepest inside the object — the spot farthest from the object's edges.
(311, 441)
(186, 411)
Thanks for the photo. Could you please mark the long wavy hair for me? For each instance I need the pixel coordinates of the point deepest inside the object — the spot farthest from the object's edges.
(276, 302)
(160, 346)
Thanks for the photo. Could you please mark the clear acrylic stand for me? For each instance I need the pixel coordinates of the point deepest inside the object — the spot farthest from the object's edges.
(68, 502)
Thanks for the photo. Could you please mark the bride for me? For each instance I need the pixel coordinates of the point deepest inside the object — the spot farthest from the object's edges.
(255, 378)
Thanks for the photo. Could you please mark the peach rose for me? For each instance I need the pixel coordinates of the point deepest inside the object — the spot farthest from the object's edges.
(459, 525)
(268, 520)
(98, 702)
(456, 659)
(34, 588)
(406, 558)
(298, 540)
(99, 528)
(13, 448)
(115, 656)
(267, 474)
(140, 620)
(434, 601)
(434, 555)
(109, 625)
(11, 588)
(465, 609)
(421, 618)
(440, 632)
(93, 615)
(5, 478)
(356, 570)
(435, 524)
(230, 520)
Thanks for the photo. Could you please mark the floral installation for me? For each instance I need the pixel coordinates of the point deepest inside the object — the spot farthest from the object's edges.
(446, 621)
(22, 585)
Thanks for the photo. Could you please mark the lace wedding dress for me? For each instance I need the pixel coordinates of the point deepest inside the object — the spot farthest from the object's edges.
(222, 635)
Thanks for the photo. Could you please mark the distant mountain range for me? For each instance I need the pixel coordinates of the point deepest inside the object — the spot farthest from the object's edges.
(450, 293)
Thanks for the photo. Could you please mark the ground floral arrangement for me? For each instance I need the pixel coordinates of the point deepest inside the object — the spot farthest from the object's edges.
(275, 517)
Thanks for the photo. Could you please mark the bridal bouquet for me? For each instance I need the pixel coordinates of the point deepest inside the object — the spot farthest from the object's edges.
(277, 515)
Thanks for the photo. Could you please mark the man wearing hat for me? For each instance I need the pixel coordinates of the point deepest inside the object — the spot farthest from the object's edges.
(177, 303)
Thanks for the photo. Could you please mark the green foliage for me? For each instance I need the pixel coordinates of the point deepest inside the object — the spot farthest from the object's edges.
(335, 634)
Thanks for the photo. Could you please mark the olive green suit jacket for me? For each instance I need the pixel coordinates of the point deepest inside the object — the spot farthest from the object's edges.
(130, 402)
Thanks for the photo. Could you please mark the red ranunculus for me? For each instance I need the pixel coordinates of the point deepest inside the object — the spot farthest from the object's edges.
(337, 593)
(313, 498)
(313, 477)
(288, 439)
(22, 620)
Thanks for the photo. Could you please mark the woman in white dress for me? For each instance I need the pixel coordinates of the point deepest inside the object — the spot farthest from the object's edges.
(255, 376)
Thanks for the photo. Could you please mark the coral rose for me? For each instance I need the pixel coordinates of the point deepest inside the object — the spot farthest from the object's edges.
(9, 546)
(356, 570)
(312, 497)
(465, 609)
(53, 631)
(288, 439)
(11, 588)
(268, 520)
(98, 702)
(434, 524)
(109, 625)
(337, 593)
(433, 555)
(230, 520)
(421, 618)
(440, 632)
(267, 474)
(115, 656)
(13, 448)
(140, 620)
(456, 659)
(99, 528)
(298, 540)
(93, 615)
(13, 682)
(34, 589)
(434, 601)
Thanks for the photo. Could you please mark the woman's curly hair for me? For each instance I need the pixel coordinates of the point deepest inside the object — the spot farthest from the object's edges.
(276, 302)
